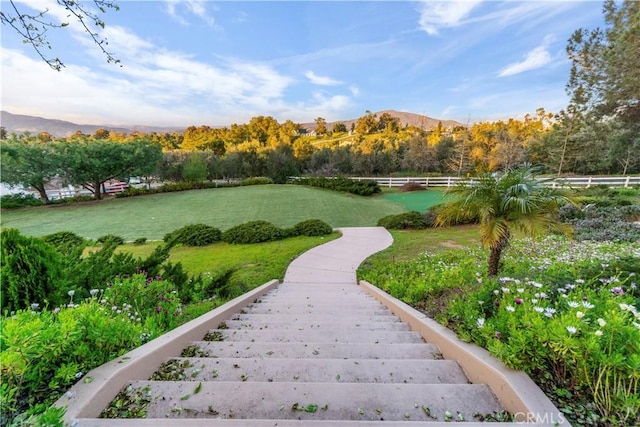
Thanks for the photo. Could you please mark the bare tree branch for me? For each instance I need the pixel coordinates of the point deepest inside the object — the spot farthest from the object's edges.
(33, 28)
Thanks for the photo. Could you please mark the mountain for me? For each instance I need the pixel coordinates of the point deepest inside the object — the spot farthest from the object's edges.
(406, 119)
(17, 123)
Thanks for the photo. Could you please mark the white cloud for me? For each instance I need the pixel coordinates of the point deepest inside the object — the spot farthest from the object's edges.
(536, 58)
(435, 15)
(355, 91)
(321, 80)
(195, 7)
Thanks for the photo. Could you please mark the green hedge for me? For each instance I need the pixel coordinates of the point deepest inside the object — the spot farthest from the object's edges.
(253, 232)
(407, 221)
(311, 227)
(361, 188)
(193, 235)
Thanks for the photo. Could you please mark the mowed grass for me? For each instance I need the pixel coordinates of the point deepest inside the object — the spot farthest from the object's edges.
(252, 264)
(419, 201)
(410, 243)
(155, 215)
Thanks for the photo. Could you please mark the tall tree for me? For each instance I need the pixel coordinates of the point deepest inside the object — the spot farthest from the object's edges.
(34, 26)
(321, 126)
(515, 200)
(91, 163)
(30, 164)
(605, 71)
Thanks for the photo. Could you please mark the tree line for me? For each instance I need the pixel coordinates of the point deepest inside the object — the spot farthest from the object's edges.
(597, 133)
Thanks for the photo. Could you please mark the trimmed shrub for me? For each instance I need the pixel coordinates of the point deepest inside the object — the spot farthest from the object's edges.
(193, 235)
(258, 180)
(253, 232)
(311, 227)
(361, 188)
(20, 200)
(140, 241)
(411, 186)
(405, 221)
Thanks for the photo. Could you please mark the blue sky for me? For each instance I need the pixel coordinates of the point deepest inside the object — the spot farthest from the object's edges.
(215, 63)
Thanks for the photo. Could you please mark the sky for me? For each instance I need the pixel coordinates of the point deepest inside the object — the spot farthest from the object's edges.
(195, 62)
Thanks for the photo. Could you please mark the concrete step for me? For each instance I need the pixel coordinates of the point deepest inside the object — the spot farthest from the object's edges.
(318, 335)
(303, 309)
(302, 325)
(311, 303)
(323, 401)
(313, 350)
(404, 371)
(314, 317)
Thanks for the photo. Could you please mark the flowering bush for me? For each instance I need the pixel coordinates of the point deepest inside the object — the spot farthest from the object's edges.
(564, 312)
(45, 352)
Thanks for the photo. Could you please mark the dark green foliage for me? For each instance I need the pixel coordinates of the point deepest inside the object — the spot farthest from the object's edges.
(361, 188)
(193, 235)
(253, 232)
(31, 272)
(140, 241)
(258, 180)
(409, 220)
(311, 227)
(65, 240)
(20, 200)
(100, 267)
(110, 238)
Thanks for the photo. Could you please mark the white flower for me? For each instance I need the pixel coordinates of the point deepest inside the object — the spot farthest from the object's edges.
(572, 330)
(520, 290)
(71, 293)
(637, 325)
(601, 322)
(579, 315)
(564, 296)
(598, 333)
(624, 307)
(538, 309)
(496, 292)
(587, 304)
(480, 322)
(534, 300)
(549, 312)
(35, 305)
(92, 292)
(505, 290)
(573, 304)
(579, 281)
(511, 308)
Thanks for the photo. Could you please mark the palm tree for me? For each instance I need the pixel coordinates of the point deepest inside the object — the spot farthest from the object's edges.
(515, 200)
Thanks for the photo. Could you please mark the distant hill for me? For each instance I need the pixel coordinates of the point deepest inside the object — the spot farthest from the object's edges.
(410, 119)
(17, 123)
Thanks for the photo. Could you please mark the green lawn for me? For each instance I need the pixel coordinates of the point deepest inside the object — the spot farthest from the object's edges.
(155, 215)
(418, 201)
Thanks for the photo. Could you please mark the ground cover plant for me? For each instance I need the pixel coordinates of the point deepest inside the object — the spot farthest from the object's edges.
(154, 215)
(565, 312)
(51, 341)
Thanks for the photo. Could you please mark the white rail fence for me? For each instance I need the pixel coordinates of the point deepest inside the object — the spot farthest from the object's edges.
(448, 181)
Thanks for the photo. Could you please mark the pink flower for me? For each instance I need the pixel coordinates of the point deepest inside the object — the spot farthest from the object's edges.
(518, 300)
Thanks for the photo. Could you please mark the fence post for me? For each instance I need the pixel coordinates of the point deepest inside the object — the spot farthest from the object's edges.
(448, 181)
(589, 182)
(626, 181)
(426, 185)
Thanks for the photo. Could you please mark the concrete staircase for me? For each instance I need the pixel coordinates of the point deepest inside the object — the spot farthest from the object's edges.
(317, 351)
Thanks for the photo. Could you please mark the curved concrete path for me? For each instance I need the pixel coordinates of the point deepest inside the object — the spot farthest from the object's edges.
(338, 260)
(316, 349)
